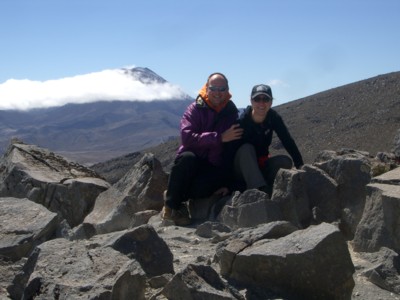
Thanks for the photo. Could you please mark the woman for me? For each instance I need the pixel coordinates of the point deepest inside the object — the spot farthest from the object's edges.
(253, 163)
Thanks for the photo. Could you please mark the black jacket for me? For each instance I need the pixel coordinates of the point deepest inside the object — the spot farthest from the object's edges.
(260, 135)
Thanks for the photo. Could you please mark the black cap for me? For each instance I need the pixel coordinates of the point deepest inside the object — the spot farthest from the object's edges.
(261, 89)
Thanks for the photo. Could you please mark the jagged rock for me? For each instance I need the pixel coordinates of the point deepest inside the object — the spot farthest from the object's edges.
(293, 265)
(382, 163)
(247, 209)
(351, 171)
(385, 271)
(8, 271)
(322, 195)
(113, 266)
(67, 188)
(199, 282)
(242, 238)
(140, 189)
(143, 244)
(390, 177)
(24, 224)
(379, 226)
(290, 195)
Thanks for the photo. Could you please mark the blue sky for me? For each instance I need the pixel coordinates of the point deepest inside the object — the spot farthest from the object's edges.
(298, 47)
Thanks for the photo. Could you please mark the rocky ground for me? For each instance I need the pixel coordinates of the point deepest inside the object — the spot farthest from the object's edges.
(187, 247)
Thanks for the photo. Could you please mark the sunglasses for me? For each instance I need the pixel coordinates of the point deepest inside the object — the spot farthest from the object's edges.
(262, 99)
(218, 88)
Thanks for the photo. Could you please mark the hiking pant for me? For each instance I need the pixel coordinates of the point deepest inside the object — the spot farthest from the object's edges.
(247, 168)
(192, 177)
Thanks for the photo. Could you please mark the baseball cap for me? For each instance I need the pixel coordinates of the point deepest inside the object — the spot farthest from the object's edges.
(261, 89)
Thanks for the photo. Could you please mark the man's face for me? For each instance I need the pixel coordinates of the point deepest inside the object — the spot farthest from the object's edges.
(217, 90)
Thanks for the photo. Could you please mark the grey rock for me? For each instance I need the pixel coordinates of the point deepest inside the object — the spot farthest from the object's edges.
(390, 177)
(140, 189)
(199, 282)
(379, 226)
(385, 269)
(24, 224)
(144, 245)
(322, 195)
(246, 232)
(67, 188)
(227, 251)
(290, 195)
(247, 209)
(352, 172)
(112, 265)
(293, 265)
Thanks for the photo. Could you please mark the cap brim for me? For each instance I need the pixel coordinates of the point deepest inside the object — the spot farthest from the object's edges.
(261, 93)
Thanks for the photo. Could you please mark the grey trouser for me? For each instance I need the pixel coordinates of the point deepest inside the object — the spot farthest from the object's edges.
(247, 168)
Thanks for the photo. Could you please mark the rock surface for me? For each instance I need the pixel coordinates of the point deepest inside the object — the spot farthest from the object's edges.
(298, 244)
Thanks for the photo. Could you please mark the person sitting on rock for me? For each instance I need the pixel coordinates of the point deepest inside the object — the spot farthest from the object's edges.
(200, 169)
(253, 163)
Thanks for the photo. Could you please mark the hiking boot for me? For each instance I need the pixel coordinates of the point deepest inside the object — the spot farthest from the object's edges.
(179, 216)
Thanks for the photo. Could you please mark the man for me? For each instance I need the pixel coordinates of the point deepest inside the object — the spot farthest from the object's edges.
(200, 169)
(253, 162)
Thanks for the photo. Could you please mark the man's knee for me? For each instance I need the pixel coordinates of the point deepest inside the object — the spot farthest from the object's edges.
(186, 158)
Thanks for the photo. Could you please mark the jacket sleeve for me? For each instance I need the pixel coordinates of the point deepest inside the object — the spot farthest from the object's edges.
(287, 140)
(194, 133)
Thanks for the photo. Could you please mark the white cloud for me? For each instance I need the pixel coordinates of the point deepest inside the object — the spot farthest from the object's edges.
(105, 85)
(277, 82)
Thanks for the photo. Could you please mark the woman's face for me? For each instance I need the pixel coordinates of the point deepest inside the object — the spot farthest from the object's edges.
(261, 105)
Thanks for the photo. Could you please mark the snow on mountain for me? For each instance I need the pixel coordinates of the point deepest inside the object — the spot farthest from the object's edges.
(135, 84)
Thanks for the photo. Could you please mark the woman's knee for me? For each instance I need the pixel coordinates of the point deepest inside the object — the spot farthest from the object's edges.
(246, 150)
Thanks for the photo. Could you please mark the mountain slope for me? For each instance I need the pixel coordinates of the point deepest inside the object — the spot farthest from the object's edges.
(94, 132)
(364, 115)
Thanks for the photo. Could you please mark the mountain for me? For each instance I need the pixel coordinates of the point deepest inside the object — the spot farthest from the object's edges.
(144, 75)
(363, 115)
(97, 131)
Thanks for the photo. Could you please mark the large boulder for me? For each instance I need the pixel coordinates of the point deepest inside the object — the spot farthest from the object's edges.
(351, 170)
(384, 270)
(24, 224)
(290, 195)
(379, 226)
(313, 263)
(139, 190)
(110, 266)
(322, 195)
(64, 187)
(199, 282)
(391, 177)
(247, 209)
